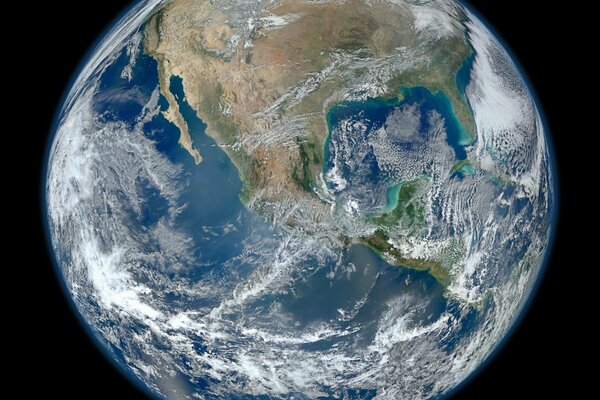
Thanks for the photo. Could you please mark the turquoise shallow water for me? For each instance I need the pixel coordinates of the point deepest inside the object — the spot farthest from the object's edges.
(391, 198)
(466, 170)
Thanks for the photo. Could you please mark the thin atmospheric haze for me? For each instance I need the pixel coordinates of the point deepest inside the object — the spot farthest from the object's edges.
(299, 199)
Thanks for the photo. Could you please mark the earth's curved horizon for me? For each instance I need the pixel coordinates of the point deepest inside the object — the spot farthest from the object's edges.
(300, 199)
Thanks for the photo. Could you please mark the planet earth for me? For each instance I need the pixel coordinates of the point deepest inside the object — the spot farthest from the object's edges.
(299, 199)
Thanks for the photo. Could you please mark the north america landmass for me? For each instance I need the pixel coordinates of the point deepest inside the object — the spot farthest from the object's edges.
(264, 86)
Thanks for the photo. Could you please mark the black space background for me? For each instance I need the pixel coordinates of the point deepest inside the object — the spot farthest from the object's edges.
(539, 360)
